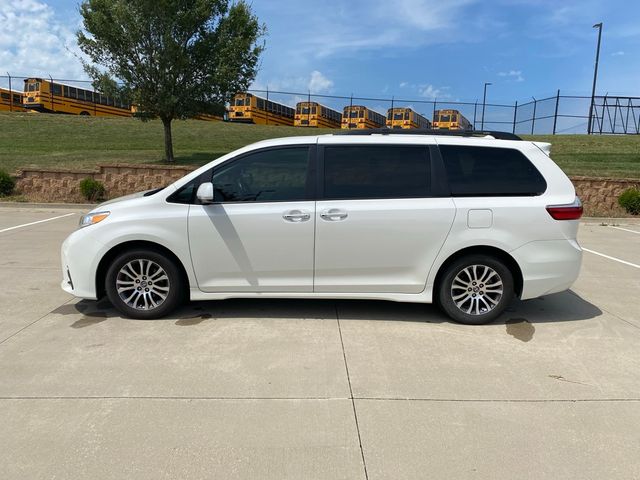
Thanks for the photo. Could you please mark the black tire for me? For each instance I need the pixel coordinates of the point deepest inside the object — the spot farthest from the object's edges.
(173, 288)
(470, 306)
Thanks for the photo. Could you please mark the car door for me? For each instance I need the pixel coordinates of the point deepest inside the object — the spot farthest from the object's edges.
(381, 218)
(258, 234)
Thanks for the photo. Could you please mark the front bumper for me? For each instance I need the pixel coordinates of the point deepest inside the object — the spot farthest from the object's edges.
(80, 255)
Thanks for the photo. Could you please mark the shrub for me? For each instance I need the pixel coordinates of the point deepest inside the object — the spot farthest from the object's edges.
(92, 189)
(7, 184)
(630, 200)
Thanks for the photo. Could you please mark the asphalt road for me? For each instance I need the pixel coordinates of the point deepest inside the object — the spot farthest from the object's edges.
(316, 389)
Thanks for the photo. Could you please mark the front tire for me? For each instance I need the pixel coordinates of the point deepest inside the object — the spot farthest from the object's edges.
(476, 289)
(144, 284)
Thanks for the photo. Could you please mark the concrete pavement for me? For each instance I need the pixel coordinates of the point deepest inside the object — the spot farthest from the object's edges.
(316, 389)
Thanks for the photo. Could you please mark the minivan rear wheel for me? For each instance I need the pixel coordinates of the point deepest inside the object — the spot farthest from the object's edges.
(144, 284)
(475, 289)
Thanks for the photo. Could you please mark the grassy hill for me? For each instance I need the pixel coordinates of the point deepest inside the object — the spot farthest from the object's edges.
(65, 141)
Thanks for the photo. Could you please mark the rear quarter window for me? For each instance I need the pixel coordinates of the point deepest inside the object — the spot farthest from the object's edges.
(490, 171)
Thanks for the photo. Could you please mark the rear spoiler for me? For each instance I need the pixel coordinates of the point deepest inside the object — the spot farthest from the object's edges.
(544, 146)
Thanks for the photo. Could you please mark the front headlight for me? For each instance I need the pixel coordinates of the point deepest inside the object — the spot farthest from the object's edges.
(93, 218)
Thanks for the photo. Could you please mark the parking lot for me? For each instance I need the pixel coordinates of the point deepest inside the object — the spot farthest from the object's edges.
(316, 389)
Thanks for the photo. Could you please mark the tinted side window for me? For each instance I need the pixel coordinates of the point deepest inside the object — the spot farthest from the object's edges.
(267, 176)
(186, 193)
(487, 171)
(381, 171)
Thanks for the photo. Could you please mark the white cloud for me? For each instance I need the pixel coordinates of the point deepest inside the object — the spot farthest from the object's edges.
(34, 42)
(379, 25)
(512, 74)
(318, 83)
(429, 91)
(619, 53)
(425, 15)
(403, 84)
(315, 82)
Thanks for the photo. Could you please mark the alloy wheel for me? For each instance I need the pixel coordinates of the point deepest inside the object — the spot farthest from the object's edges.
(142, 284)
(477, 289)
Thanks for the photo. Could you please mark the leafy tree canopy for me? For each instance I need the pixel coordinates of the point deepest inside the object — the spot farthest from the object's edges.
(173, 57)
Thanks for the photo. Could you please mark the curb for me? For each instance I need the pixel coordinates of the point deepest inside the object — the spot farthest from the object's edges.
(610, 220)
(68, 206)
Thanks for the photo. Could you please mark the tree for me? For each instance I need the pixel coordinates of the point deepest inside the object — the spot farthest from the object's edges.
(171, 56)
(106, 85)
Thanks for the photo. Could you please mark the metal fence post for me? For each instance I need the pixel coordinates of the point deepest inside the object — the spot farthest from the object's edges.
(309, 107)
(266, 107)
(10, 93)
(515, 116)
(434, 109)
(626, 124)
(555, 115)
(475, 108)
(349, 116)
(604, 106)
(392, 114)
(51, 92)
(615, 115)
(533, 120)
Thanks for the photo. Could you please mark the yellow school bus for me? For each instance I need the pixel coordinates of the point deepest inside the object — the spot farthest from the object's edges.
(11, 101)
(312, 114)
(450, 120)
(358, 116)
(45, 96)
(406, 118)
(249, 108)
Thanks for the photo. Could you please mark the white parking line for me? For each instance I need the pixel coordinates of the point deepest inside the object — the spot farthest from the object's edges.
(626, 230)
(33, 223)
(611, 258)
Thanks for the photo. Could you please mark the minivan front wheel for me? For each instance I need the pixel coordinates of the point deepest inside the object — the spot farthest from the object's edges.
(475, 289)
(144, 284)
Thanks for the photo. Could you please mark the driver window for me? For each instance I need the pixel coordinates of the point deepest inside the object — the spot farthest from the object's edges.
(273, 175)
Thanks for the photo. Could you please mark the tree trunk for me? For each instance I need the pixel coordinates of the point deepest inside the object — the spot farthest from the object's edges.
(168, 141)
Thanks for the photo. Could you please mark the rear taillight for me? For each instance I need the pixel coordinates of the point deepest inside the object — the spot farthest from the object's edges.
(571, 211)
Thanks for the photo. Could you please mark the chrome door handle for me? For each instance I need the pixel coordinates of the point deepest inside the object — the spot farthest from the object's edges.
(333, 215)
(296, 216)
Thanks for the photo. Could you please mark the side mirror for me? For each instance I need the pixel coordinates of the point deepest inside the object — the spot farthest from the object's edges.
(205, 193)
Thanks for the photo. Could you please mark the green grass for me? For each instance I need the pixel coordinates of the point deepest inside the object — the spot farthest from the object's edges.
(61, 141)
(616, 156)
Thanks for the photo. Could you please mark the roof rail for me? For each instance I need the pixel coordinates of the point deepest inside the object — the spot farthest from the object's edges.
(428, 131)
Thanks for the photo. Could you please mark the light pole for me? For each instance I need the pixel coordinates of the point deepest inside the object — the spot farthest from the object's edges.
(484, 102)
(595, 77)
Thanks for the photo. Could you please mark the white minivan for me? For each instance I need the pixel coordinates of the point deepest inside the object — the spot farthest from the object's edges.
(465, 220)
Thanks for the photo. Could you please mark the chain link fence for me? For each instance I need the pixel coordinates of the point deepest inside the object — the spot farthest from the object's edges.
(552, 115)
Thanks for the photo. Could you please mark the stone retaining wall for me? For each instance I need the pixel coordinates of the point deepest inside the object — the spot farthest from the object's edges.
(39, 185)
(599, 195)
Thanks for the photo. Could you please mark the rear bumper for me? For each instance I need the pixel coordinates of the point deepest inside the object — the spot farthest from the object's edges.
(548, 266)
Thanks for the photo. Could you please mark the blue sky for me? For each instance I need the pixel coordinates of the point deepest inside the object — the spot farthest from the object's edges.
(415, 49)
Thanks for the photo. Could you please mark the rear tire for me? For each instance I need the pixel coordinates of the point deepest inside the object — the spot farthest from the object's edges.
(144, 284)
(475, 289)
